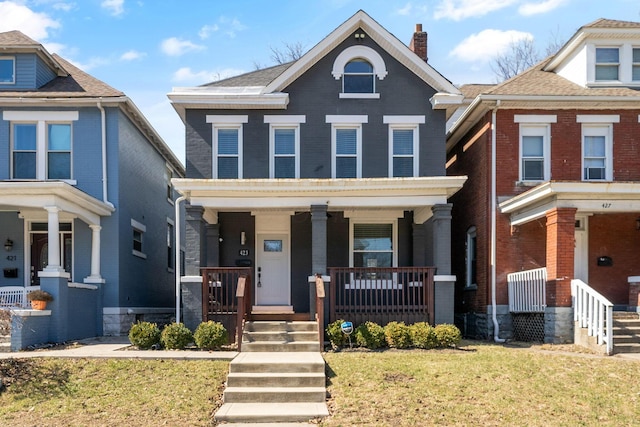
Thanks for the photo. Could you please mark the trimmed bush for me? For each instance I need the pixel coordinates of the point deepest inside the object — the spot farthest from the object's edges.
(397, 335)
(144, 335)
(423, 335)
(335, 334)
(447, 335)
(210, 335)
(370, 335)
(176, 336)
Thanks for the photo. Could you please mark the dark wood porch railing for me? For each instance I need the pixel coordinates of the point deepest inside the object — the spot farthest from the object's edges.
(221, 300)
(382, 295)
(320, 309)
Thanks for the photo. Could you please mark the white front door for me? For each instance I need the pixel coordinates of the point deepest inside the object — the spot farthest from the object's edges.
(272, 270)
(581, 252)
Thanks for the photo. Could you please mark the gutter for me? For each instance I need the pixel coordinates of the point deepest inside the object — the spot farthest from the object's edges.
(496, 326)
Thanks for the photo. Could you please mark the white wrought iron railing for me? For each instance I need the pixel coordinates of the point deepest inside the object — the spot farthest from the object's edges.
(527, 291)
(593, 311)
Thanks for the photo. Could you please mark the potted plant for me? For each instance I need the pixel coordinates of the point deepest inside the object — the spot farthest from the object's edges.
(39, 299)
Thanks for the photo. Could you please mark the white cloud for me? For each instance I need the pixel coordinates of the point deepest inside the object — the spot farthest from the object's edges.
(545, 6)
(115, 7)
(132, 55)
(175, 47)
(458, 10)
(206, 31)
(16, 16)
(406, 10)
(187, 75)
(55, 48)
(91, 64)
(65, 7)
(230, 26)
(485, 45)
(410, 9)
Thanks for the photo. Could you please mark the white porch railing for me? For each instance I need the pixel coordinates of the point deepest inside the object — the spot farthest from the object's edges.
(527, 291)
(15, 296)
(593, 311)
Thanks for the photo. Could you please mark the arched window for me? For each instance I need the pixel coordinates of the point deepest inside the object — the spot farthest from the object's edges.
(471, 279)
(358, 77)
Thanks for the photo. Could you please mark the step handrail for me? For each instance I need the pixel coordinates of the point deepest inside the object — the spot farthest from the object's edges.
(593, 311)
(320, 295)
(243, 301)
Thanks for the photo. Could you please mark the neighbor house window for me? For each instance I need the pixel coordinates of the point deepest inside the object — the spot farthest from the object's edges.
(607, 63)
(7, 70)
(597, 146)
(284, 145)
(41, 144)
(168, 174)
(346, 145)
(471, 258)
(635, 68)
(403, 145)
(138, 230)
(170, 245)
(535, 146)
(227, 146)
(358, 77)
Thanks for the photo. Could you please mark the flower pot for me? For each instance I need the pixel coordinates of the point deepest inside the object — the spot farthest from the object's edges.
(38, 305)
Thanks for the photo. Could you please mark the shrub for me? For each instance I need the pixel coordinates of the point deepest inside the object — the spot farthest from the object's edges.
(176, 336)
(447, 335)
(144, 335)
(335, 334)
(423, 335)
(210, 335)
(397, 335)
(370, 335)
(39, 295)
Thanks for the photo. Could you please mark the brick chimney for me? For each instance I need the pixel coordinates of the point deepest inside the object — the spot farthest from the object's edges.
(419, 43)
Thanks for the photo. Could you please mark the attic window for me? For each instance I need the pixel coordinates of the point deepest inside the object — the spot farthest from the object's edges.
(7, 70)
(358, 67)
(358, 77)
(607, 63)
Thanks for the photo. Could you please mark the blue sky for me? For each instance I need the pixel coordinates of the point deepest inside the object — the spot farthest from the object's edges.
(145, 48)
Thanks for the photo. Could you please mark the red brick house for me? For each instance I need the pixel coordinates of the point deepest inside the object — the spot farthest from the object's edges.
(553, 160)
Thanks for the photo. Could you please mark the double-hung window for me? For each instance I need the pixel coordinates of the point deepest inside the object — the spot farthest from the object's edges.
(404, 145)
(227, 146)
(284, 145)
(635, 66)
(359, 67)
(607, 63)
(535, 147)
(138, 230)
(358, 77)
(7, 70)
(373, 245)
(41, 144)
(346, 145)
(597, 146)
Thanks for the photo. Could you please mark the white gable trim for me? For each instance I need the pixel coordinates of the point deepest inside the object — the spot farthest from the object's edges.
(365, 52)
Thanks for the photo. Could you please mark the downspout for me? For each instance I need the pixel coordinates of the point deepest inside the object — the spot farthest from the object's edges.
(103, 122)
(177, 256)
(496, 326)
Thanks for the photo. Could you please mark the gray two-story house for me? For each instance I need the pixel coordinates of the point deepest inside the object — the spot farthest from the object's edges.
(86, 203)
(331, 164)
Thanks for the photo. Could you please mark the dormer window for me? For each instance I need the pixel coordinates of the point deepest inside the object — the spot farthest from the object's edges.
(358, 77)
(607, 63)
(7, 70)
(635, 70)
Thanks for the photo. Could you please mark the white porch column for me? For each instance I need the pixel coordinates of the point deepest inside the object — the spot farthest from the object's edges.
(95, 255)
(53, 224)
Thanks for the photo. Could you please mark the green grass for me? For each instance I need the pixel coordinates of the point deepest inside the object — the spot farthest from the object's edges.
(480, 384)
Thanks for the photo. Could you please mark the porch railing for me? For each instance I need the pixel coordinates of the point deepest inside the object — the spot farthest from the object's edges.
(527, 291)
(382, 295)
(220, 286)
(15, 296)
(320, 309)
(593, 311)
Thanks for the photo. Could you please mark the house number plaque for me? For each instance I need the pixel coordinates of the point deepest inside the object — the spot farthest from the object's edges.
(243, 252)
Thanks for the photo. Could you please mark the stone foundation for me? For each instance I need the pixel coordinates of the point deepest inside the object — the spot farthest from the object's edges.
(558, 325)
(480, 325)
(117, 321)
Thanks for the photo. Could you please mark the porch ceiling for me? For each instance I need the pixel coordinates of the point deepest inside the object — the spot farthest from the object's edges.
(27, 195)
(407, 193)
(587, 197)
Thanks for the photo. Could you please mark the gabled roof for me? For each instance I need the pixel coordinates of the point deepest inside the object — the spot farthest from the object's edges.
(17, 42)
(263, 88)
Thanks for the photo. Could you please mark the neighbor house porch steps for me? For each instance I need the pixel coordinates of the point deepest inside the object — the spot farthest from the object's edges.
(626, 332)
(279, 377)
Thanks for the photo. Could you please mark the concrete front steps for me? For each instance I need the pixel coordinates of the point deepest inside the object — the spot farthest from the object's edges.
(279, 377)
(626, 332)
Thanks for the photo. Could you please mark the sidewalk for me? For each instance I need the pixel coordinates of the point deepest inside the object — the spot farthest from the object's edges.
(116, 348)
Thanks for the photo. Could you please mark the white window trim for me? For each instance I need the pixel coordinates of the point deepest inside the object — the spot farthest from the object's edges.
(135, 225)
(382, 220)
(346, 122)
(284, 122)
(625, 64)
(226, 122)
(471, 234)
(536, 129)
(598, 129)
(12, 58)
(407, 123)
(41, 119)
(359, 52)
